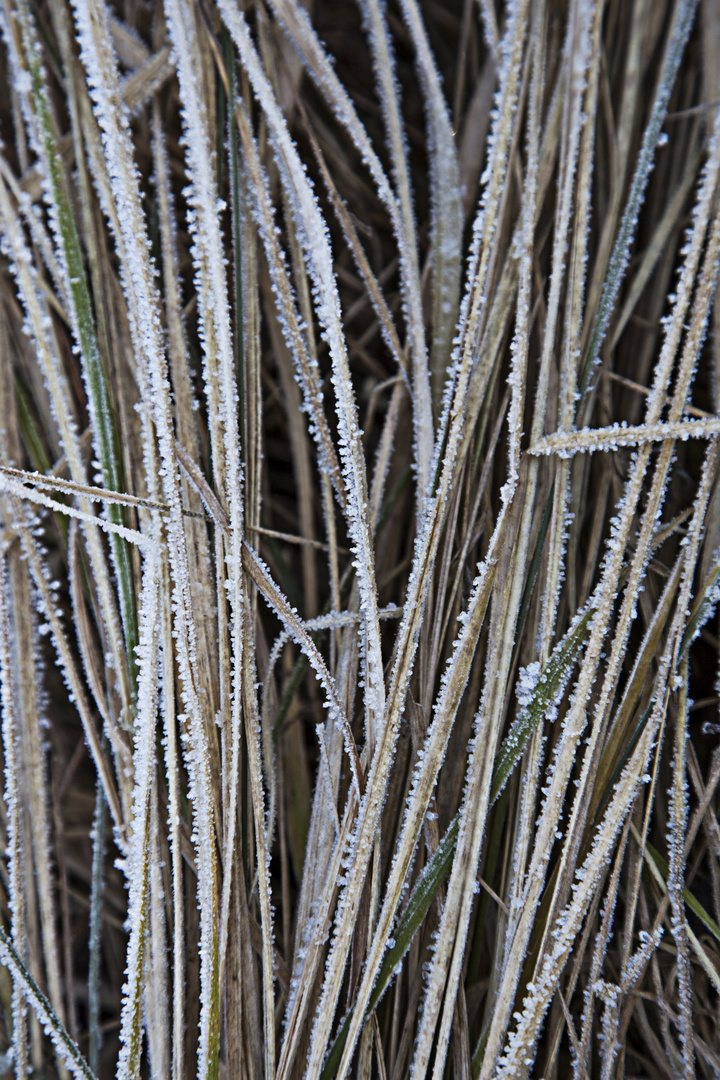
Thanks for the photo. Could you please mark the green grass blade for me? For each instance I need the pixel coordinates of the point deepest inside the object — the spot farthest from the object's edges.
(417, 908)
(31, 437)
(703, 610)
(66, 1047)
(551, 680)
(83, 319)
(692, 902)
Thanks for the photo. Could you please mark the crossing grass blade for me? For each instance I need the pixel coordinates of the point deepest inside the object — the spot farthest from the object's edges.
(550, 682)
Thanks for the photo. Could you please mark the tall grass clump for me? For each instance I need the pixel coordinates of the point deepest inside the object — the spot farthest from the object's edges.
(360, 539)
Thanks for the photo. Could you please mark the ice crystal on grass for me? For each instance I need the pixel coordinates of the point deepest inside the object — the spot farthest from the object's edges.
(527, 681)
(314, 238)
(93, 35)
(446, 208)
(376, 27)
(137, 867)
(14, 809)
(680, 30)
